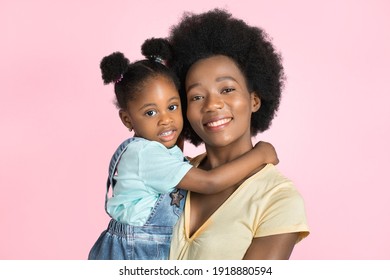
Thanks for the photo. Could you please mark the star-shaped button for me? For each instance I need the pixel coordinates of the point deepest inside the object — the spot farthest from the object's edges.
(176, 197)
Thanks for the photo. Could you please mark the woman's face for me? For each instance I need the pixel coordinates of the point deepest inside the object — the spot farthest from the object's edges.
(219, 103)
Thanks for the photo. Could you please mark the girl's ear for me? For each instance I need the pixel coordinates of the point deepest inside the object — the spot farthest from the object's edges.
(256, 102)
(126, 119)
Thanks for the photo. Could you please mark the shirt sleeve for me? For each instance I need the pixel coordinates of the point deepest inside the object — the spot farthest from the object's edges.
(285, 214)
(161, 168)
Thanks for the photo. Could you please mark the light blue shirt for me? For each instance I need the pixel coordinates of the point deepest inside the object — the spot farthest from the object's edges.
(145, 170)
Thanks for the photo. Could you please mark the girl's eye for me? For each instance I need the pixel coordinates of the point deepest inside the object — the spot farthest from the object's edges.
(173, 107)
(151, 113)
(227, 90)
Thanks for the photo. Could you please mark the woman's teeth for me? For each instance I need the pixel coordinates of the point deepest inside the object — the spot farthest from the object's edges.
(218, 123)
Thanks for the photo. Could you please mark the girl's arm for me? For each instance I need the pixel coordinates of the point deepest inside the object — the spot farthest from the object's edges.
(229, 174)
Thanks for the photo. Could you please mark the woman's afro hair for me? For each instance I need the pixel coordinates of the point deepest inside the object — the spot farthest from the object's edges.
(216, 32)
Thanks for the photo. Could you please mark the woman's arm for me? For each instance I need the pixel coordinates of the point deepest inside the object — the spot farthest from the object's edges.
(273, 247)
(229, 174)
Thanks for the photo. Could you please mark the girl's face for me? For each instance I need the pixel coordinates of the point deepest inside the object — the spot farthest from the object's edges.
(155, 114)
(219, 103)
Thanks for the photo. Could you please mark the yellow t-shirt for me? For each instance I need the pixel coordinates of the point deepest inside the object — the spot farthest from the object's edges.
(265, 204)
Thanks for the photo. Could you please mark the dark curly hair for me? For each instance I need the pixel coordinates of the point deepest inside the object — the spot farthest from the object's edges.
(216, 32)
(130, 78)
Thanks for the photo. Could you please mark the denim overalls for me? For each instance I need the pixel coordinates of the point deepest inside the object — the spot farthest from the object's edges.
(148, 242)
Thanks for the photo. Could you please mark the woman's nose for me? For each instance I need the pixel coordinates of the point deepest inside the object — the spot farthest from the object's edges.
(213, 102)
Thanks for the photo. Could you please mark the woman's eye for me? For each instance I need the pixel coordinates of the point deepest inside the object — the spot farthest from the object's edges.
(196, 98)
(173, 107)
(151, 113)
(227, 90)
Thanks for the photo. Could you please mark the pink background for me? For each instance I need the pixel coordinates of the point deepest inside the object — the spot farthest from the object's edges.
(59, 126)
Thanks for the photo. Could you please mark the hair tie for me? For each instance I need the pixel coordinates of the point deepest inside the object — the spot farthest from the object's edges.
(119, 79)
(158, 59)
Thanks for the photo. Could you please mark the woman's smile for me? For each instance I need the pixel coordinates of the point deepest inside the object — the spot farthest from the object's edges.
(218, 124)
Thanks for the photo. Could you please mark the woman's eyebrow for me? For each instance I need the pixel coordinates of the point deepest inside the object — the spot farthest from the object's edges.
(192, 86)
(223, 78)
(219, 79)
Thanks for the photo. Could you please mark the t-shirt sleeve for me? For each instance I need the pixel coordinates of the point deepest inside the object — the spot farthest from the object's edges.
(285, 213)
(161, 168)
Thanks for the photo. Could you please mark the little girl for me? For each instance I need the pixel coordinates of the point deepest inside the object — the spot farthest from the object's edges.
(146, 169)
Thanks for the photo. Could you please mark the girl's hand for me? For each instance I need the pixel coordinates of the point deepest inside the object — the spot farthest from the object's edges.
(268, 152)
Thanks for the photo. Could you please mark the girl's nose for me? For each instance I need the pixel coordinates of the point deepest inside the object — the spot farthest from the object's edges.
(165, 118)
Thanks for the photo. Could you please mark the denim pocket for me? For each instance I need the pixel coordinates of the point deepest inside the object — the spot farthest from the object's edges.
(151, 247)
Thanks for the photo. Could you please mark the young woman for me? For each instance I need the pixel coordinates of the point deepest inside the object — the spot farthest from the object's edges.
(232, 79)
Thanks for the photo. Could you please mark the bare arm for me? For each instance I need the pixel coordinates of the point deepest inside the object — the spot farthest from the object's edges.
(229, 174)
(273, 247)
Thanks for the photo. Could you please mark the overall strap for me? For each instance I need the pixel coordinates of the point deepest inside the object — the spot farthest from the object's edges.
(113, 166)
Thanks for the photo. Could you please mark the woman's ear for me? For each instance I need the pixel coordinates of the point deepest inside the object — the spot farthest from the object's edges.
(126, 119)
(256, 102)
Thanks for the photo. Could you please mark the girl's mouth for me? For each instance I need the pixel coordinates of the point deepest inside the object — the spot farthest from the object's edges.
(168, 135)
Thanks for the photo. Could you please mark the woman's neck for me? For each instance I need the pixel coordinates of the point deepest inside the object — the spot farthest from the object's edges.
(217, 156)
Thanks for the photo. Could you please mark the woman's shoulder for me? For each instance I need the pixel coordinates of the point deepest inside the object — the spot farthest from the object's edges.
(270, 187)
(271, 179)
(195, 161)
(270, 171)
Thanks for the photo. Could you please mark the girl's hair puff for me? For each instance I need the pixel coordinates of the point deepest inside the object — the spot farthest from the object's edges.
(216, 32)
(130, 78)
